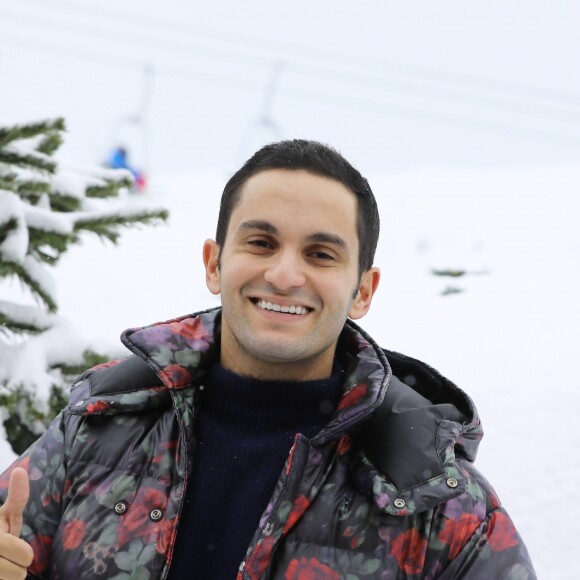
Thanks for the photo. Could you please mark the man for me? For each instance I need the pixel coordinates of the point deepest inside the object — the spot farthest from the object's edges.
(271, 438)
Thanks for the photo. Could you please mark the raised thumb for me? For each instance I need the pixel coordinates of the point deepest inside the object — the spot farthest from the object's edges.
(16, 500)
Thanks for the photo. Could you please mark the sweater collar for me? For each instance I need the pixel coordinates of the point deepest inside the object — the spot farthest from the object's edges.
(271, 405)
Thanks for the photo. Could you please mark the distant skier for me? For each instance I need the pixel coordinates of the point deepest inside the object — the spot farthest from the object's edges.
(119, 159)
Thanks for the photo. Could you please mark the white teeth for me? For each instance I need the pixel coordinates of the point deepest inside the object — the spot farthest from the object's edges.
(278, 308)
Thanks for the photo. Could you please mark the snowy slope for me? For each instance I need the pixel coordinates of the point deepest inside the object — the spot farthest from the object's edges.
(509, 338)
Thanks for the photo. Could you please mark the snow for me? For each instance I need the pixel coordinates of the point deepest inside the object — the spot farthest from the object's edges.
(41, 218)
(110, 208)
(27, 363)
(41, 275)
(73, 179)
(90, 171)
(15, 244)
(25, 147)
(28, 315)
(509, 337)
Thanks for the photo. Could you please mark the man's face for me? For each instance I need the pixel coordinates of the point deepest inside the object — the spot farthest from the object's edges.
(288, 275)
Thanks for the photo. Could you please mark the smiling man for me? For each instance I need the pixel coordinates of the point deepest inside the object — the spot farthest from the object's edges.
(271, 437)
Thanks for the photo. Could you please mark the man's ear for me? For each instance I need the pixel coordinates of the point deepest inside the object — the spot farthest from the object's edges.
(211, 255)
(364, 296)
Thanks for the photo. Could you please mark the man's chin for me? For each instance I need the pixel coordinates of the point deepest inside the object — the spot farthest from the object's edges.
(280, 355)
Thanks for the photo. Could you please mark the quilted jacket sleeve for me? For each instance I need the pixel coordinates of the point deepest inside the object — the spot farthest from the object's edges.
(45, 463)
(495, 550)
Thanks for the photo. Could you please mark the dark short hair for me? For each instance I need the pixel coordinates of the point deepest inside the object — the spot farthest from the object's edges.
(320, 159)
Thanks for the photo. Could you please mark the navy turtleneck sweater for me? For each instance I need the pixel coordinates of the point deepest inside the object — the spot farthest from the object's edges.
(244, 432)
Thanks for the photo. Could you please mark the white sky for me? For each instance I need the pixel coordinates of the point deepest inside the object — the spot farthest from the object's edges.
(394, 85)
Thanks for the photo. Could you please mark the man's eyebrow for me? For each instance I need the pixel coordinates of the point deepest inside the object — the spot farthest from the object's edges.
(328, 238)
(317, 237)
(258, 225)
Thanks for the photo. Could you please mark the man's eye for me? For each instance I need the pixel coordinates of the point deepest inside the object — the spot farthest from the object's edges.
(322, 256)
(260, 243)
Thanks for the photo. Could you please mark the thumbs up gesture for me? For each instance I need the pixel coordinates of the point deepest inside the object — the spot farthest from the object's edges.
(15, 554)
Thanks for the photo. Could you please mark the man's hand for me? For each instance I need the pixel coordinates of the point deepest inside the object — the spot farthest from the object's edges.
(15, 554)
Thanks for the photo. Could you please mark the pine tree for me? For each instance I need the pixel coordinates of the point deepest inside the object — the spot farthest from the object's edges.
(45, 207)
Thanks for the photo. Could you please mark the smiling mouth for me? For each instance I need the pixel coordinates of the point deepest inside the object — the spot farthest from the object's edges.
(284, 309)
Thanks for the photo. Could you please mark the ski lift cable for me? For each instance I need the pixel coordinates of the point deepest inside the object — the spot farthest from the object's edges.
(416, 73)
(444, 93)
(454, 119)
(123, 62)
(263, 43)
(360, 105)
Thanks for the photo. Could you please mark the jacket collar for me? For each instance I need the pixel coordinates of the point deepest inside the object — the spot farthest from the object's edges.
(408, 420)
(407, 450)
(180, 350)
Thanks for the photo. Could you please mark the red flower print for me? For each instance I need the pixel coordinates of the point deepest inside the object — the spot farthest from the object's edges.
(260, 558)
(344, 444)
(42, 547)
(456, 533)
(352, 396)
(409, 551)
(177, 375)
(98, 407)
(501, 534)
(190, 328)
(299, 507)
(165, 447)
(164, 540)
(136, 523)
(74, 533)
(312, 569)
(107, 364)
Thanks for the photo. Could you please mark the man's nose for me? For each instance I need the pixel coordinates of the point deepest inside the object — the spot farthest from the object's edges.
(285, 271)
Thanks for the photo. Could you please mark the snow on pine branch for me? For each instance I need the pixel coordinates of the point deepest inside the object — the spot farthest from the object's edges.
(34, 363)
(45, 207)
(34, 132)
(74, 180)
(18, 156)
(14, 241)
(25, 316)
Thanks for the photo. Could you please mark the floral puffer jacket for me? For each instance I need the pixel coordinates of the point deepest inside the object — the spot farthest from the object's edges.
(386, 490)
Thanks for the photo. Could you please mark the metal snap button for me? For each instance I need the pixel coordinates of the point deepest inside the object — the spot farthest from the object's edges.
(452, 482)
(120, 508)
(156, 515)
(400, 503)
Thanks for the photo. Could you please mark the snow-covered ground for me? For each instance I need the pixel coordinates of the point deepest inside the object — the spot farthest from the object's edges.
(509, 338)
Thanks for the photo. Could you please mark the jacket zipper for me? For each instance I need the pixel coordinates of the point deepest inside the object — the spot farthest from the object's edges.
(242, 574)
(185, 483)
